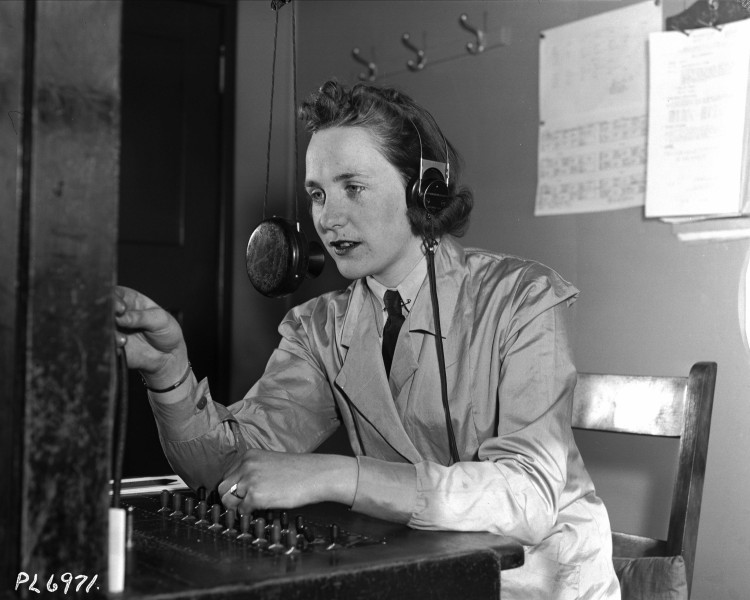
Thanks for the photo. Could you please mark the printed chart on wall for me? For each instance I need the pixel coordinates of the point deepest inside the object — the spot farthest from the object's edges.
(593, 99)
(699, 122)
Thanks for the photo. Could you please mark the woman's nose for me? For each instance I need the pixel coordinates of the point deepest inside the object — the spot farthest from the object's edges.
(332, 214)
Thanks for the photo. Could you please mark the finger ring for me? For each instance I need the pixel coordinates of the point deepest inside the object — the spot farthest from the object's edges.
(233, 491)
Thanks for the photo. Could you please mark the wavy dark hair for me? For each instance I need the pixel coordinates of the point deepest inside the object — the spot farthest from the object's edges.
(397, 123)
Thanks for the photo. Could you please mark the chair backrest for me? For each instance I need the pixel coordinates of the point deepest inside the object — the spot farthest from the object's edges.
(677, 407)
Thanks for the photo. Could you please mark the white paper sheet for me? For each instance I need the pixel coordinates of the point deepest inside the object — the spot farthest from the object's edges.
(698, 121)
(150, 485)
(593, 103)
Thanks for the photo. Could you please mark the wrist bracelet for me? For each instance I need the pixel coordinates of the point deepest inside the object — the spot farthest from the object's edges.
(171, 387)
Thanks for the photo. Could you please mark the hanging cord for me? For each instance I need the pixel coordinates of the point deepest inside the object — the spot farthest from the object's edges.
(121, 423)
(276, 5)
(294, 114)
(270, 115)
(430, 244)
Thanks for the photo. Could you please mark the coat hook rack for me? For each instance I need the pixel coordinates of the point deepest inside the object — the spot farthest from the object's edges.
(420, 62)
(472, 47)
(372, 69)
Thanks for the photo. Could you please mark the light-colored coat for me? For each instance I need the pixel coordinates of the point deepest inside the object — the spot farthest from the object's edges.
(510, 383)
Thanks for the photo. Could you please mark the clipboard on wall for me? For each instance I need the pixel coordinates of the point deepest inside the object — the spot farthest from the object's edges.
(698, 164)
(708, 13)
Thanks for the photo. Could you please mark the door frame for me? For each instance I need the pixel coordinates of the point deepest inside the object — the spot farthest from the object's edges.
(228, 104)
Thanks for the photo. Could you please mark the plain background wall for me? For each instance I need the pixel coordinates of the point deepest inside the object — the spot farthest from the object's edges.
(649, 303)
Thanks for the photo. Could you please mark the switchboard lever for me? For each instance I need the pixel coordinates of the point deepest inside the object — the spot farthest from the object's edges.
(189, 508)
(291, 543)
(276, 545)
(260, 542)
(165, 496)
(245, 522)
(216, 526)
(176, 506)
(202, 513)
(229, 518)
(333, 539)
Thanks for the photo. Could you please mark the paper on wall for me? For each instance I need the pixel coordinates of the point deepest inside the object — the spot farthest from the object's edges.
(698, 121)
(593, 102)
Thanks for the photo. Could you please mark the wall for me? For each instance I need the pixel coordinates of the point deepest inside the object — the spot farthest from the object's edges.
(254, 317)
(649, 304)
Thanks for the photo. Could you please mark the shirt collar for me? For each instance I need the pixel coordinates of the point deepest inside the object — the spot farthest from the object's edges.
(452, 272)
(408, 289)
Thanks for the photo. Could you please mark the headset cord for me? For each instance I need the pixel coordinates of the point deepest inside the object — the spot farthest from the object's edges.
(430, 245)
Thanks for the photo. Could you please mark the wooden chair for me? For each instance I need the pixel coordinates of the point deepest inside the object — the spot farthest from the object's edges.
(676, 407)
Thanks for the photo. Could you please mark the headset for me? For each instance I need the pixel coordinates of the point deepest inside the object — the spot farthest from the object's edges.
(430, 189)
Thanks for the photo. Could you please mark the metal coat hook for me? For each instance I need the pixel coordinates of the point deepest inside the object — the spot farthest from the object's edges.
(371, 66)
(419, 64)
(473, 48)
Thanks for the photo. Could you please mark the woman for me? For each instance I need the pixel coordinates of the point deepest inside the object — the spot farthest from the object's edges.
(510, 377)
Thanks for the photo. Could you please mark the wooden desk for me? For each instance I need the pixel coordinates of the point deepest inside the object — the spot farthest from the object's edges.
(379, 560)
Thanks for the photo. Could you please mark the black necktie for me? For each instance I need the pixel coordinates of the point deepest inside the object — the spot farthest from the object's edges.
(393, 324)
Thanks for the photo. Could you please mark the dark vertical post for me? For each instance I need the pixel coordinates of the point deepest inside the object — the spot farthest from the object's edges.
(63, 222)
(11, 315)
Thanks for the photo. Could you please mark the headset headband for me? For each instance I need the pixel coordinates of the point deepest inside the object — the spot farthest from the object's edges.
(424, 164)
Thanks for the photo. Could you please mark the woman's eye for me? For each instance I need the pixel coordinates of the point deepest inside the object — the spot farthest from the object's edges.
(317, 196)
(353, 190)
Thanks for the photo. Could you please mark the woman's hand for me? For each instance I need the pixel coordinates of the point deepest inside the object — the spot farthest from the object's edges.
(265, 479)
(151, 337)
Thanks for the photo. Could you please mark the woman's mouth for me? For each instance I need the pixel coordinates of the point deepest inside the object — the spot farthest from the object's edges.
(342, 247)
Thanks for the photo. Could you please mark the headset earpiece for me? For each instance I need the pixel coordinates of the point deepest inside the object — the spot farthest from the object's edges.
(430, 189)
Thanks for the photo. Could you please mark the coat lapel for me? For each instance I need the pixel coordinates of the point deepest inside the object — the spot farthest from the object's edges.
(405, 363)
(422, 320)
(412, 389)
(362, 376)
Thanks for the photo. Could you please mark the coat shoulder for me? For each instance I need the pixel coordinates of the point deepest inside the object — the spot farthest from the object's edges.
(523, 274)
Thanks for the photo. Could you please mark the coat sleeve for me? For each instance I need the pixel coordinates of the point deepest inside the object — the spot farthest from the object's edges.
(290, 409)
(514, 487)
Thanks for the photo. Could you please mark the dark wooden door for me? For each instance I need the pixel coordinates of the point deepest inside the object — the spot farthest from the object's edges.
(175, 185)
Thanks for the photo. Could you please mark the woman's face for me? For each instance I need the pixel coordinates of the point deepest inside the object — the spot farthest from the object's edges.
(359, 206)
